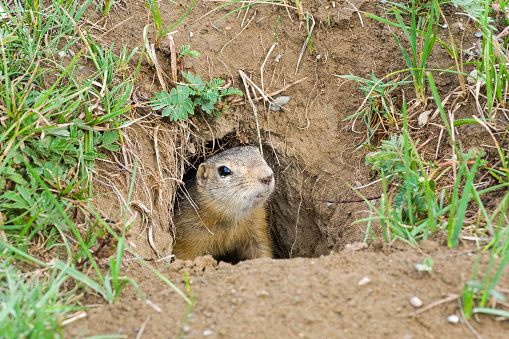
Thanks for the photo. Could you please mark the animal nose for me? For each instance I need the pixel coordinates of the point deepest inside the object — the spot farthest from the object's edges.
(266, 180)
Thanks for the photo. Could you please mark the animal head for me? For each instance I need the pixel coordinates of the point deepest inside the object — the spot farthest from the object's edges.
(236, 180)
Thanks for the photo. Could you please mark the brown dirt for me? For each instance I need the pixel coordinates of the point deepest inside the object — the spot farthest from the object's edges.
(311, 150)
(304, 298)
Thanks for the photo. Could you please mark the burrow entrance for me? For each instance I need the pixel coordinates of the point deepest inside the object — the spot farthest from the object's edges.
(294, 222)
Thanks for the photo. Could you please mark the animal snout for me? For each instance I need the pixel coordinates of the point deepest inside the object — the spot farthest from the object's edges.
(267, 180)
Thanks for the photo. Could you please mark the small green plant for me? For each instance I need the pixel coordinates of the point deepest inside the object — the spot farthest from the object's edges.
(426, 266)
(186, 50)
(310, 42)
(390, 158)
(379, 108)
(189, 307)
(160, 28)
(275, 29)
(416, 61)
(206, 97)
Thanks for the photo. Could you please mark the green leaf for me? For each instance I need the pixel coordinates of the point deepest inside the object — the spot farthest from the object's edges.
(231, 91)
(81, 124)
(113, 148)
(460, 122)
(63, 132)
(207, 107)
(109, 137)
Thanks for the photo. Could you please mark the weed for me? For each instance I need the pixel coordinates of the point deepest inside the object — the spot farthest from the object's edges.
(275, 29)
(160, 29)
(309, 34)
(189, 308)
(186, 50)
(183, 100)
(33, 306)
(390, 159)
(426, 266)
(379, 109)
(416, 61)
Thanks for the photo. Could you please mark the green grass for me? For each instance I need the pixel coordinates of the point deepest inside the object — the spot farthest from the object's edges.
(417, 208)
(275, 29)
(34, 305)
(52, 129)
(379, 111)
(420, 49)
(162, 29)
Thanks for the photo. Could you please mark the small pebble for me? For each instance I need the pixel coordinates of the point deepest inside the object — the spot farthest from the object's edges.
(81, 68)
(453, 319)
(61, 54)
(363, 281)
(416, 302)
(191, 34)
(185, 328)
(383, 1)
(262, 293)
(444, 26)
(478, 35)
(207, 333)
(279, 102)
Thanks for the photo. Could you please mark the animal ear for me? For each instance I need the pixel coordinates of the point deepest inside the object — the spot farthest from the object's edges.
(202, 174)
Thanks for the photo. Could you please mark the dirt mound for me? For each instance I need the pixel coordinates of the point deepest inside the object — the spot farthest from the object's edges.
(303, 298)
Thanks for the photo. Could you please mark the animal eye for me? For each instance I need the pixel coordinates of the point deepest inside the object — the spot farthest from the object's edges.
(224, 171)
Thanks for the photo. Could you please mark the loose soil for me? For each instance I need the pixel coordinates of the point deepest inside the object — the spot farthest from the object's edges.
(308, 292)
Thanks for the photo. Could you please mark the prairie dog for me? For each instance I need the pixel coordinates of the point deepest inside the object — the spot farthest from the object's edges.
(226, 217)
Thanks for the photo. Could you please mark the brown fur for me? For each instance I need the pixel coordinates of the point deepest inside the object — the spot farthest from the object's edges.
(227, 217)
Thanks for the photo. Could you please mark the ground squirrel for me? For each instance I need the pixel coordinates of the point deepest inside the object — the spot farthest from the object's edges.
(227, 215)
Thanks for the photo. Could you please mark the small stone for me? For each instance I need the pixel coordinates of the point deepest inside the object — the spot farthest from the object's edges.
(444, 26)
(453, 319)
(262, 293)
(356, 246)
(207, 333)
(458, 25)
(185, 328)
(416, 302)
(478, 35)
(476, 77)
(423, 118)
(228, 28)
(81, 68)
(61, 54)
(191, 34)
(363, 281)
(279, 102)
